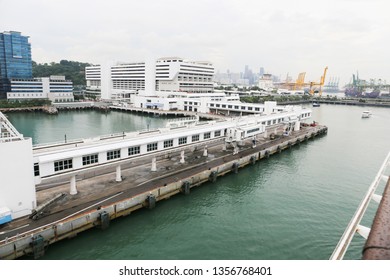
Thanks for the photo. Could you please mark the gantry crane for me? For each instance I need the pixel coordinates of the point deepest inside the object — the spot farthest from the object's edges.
(321, 83)
(300, 81)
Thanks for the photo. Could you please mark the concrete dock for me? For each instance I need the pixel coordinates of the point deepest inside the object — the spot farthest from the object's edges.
(101, 198)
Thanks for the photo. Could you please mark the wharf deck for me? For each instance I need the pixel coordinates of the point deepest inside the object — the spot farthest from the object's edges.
(98, 191)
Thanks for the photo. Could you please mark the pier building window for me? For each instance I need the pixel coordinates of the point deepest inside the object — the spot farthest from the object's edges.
(63, 164)
(217, 133)
(195, 138)
(207, 135)
(151, 147)
(90, 159)
(36, 169)
(252, 130)
(113, 154)
(269, 123)
(134, 150)
(182, 140)
(168, 143)
(236, 107)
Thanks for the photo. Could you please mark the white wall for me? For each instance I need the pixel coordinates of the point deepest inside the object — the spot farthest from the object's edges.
(106, 80)
(150, 76)
(17, 188)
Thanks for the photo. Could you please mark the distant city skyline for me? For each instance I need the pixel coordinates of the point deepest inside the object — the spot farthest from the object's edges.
(281, 36)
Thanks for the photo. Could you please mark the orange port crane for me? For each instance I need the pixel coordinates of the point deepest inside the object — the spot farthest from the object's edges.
(298, 84)
(320, 84)
(300, 81)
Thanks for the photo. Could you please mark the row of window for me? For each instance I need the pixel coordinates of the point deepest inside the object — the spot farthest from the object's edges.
(63, 100)
(190, 102)
(200, 79)
(236, 107)
(253, 130)
(25, 95)
(116, 154)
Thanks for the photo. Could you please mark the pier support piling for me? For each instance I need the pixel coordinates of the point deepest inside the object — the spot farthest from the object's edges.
(154, 165)
(73, 187)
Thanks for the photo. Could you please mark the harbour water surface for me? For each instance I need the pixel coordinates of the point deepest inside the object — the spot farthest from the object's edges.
(294, 205)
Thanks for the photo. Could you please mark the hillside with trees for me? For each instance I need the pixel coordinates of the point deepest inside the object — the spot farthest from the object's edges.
(72, 70)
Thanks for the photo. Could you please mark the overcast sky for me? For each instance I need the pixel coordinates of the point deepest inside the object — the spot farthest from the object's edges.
(283, 36)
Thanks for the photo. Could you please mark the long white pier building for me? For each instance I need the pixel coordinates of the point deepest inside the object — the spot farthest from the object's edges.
(70, 159)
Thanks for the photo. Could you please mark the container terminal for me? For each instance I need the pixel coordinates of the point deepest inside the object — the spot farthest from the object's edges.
(61, 189)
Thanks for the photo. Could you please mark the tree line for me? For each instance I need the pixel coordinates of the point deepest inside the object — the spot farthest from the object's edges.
(72, 70)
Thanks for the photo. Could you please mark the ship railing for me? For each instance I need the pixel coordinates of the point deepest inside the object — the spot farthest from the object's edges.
(354, 225)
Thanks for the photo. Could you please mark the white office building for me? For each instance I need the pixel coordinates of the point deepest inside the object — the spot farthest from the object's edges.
(177, 74)
(119, 81)
(266, 83)
(54, 88)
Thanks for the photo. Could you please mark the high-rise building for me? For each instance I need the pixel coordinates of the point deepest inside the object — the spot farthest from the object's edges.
(15, 59)
(261, 73)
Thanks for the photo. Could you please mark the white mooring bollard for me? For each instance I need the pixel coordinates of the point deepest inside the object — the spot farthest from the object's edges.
(118, 174)
(154, 165)
(73, 188)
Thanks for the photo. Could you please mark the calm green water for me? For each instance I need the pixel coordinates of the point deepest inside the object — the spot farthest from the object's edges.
(295, 205)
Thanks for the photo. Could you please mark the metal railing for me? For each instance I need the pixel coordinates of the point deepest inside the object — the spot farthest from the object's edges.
(10, 133)
(354, 225)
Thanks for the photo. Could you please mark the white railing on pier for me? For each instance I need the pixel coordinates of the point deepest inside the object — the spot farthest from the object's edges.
(354, 225)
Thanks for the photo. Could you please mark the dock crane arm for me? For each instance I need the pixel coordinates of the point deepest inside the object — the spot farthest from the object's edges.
(321, 83)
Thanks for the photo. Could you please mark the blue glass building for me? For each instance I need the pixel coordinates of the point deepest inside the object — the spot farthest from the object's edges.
(15, 59)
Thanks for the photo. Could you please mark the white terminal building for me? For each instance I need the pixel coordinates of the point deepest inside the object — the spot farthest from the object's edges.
(165, 84)
(54, 88)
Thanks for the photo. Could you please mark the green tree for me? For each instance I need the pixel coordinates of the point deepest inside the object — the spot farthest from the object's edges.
(72, 70)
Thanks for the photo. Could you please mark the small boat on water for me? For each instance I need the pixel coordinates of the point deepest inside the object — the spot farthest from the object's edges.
(315, 104)
(366, 114)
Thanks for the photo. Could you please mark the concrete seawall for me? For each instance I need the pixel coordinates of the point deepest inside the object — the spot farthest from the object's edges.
(100, 213)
